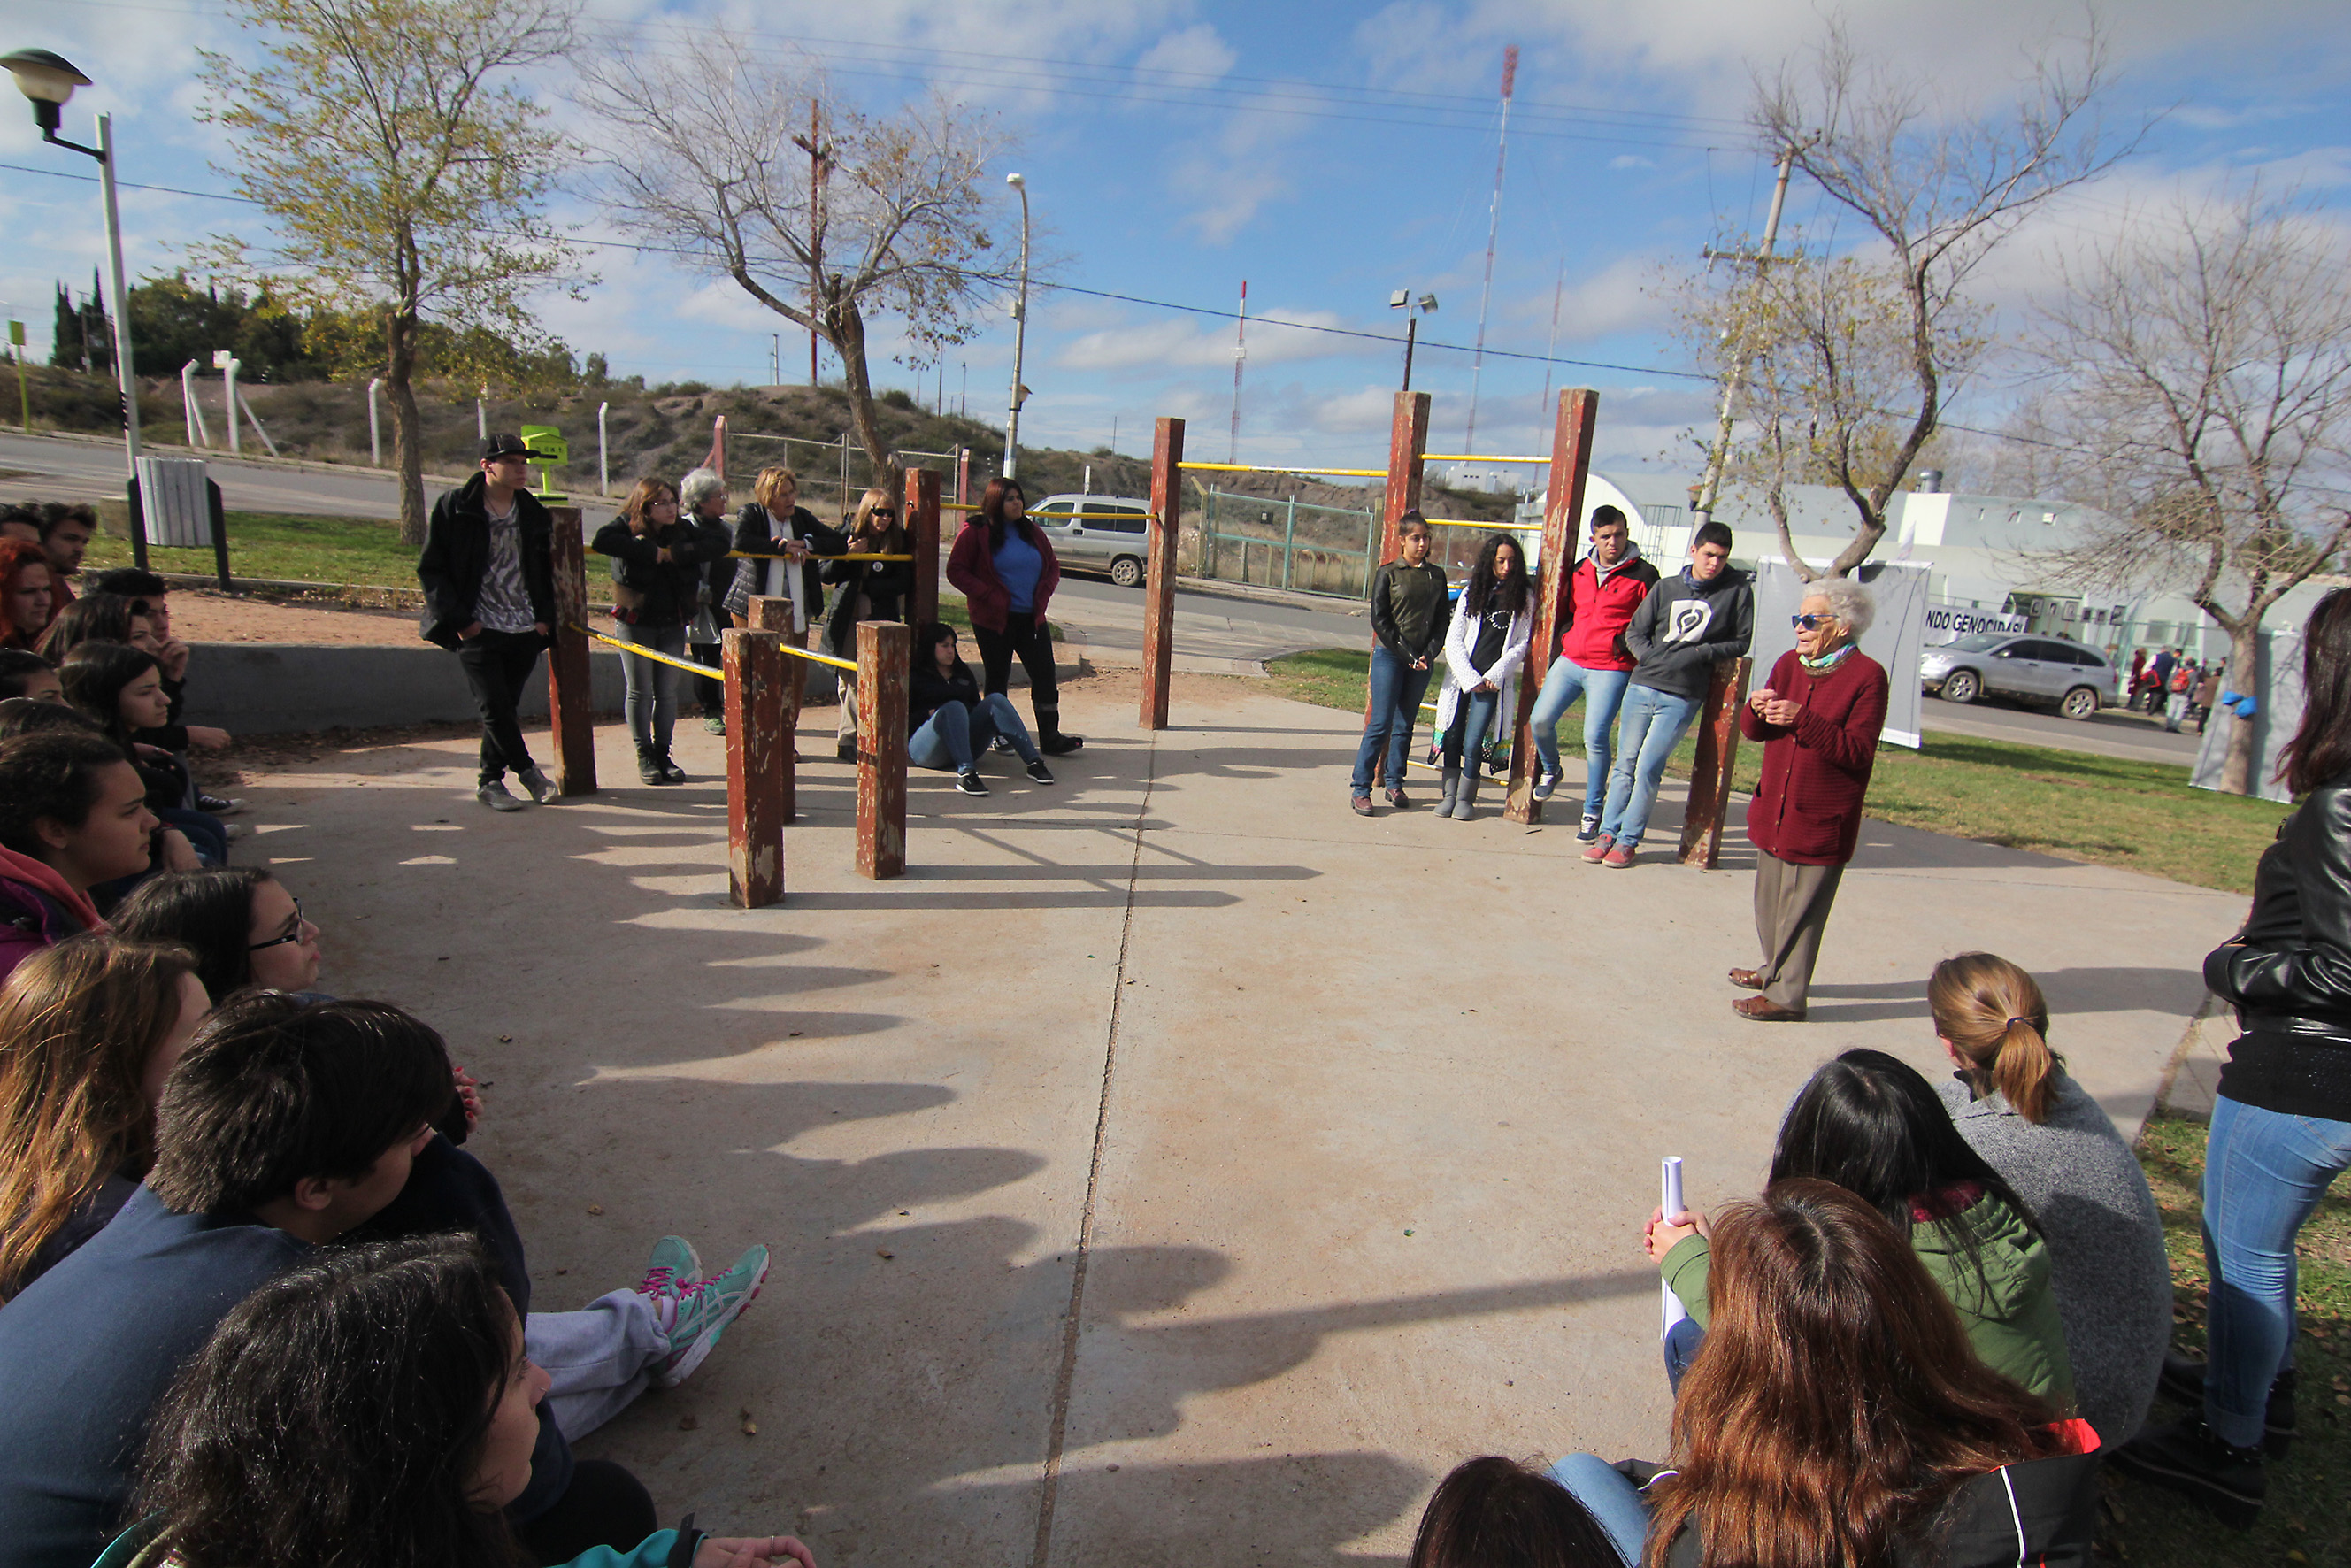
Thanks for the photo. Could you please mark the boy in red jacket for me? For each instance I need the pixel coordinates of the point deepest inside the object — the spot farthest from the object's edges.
(1590, 660)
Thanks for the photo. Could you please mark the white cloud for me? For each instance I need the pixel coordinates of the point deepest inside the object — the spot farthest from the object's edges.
(1191, 343)
(1189, 54)
(1631, 161)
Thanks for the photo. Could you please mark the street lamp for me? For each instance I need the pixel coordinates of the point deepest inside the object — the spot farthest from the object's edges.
(1020, 334)
(49, 80)
(1402, 300)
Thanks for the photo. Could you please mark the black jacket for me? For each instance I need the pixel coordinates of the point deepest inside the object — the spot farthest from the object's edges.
(457, 554)
(927, 691)
(755, 533)
(2288, 973)
(1393, 633)
(1683, 629)
(886, 585)
(667, 590)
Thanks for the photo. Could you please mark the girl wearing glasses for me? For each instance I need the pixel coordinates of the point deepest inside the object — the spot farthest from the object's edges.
(244, 927)
(1818, 718)
(869, 590)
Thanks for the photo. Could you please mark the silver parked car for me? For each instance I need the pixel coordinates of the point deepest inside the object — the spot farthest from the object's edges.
(2023, 665)
(1098, 533)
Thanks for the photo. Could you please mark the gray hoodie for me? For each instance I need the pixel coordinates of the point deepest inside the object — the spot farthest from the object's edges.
(1683, 629)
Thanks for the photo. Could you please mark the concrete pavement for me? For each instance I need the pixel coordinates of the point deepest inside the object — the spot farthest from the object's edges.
(1171, 1168)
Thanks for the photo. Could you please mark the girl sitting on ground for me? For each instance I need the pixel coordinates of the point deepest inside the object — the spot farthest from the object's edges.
(27, 674)
(122, 689)
(73, 816)
(870, 591)
(374, 1406)
(243, 926)
(1494, 1513)
(1484, 645)
(1871, 1125)
(948, 722)
(89, 1030)
(658, 560)
(2015, 1104)
(26, 606)
(1838, 1414)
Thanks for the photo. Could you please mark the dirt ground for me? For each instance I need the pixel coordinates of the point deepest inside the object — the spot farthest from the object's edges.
(208, 615)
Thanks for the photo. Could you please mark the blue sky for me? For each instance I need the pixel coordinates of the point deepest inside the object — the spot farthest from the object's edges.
(1326, 154)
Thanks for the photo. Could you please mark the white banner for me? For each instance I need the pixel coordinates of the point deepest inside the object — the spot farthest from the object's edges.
(1949, 622)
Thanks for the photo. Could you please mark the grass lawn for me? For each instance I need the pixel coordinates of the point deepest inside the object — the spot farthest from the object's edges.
(2141, 816)
(2306, 1520)
(352, 551)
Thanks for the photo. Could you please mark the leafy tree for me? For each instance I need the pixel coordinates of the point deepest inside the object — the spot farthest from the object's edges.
(404, 181)
(823, 214)
(173, 322)
(83, 337)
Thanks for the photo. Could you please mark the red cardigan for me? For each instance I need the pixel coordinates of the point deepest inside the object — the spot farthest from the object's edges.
(972, 567)
(1807, 810)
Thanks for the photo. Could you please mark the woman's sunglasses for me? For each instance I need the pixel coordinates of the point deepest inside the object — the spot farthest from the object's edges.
(1809, 622)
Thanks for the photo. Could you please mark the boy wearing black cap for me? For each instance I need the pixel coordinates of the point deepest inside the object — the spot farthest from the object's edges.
(488, 576)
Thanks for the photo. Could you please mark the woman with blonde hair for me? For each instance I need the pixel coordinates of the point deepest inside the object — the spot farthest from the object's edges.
(776, 535)
(869, 590)
(88, 1031)
(2014, 1102)
(658, 557)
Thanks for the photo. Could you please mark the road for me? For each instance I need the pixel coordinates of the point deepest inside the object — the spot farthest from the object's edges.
(2134, 737)
(61, 468)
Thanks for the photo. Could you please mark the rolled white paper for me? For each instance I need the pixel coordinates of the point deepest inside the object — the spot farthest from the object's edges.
(1671, 1202)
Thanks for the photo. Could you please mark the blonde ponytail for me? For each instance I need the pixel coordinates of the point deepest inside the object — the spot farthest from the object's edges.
(1994, 1015)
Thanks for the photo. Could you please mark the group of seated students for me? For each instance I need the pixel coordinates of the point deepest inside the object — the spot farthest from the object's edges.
(1912, 1350)
(256, 1305)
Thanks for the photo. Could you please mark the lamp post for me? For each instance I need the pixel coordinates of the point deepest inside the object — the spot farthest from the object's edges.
(1019, 335)
(49, 80)
(1402, 300)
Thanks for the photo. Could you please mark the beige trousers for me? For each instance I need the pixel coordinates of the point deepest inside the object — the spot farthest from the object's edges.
(1792, 910)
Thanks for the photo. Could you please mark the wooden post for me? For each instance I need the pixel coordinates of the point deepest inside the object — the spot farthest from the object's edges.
(1408, 439)
(922, 509)
(570, 699)
(1717, 751)
(774, 613)
(1571, 465)
(883, 650)
(1159, 570)
(758, 766)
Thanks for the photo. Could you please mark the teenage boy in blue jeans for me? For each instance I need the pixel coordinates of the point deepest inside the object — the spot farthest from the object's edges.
(1411, 607)
(1592, 661)
(1689, 623)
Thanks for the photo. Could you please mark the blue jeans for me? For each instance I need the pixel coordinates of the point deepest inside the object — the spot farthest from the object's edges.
(1614, 1502)
(1471, 719)
(651, 702)
(1682, 1341)
(1653, 722)
(953, 736)
(2265, 1172)
(1604, 693)
(1397, 690)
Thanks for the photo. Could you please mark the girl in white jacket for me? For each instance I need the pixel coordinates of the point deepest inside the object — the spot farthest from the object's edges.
(1483, 649)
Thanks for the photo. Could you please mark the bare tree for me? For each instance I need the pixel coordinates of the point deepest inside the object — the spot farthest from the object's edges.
(2197, 386)
(405, 182)
(1941, 190)
(821, 213)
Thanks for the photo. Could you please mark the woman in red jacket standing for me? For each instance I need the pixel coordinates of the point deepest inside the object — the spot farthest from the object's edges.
(1818, 718)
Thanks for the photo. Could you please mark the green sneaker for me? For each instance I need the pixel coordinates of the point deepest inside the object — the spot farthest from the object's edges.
(703, 1308)
(673, 1266)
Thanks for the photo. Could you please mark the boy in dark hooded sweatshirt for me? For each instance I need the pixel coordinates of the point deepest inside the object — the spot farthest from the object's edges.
(1686, 625)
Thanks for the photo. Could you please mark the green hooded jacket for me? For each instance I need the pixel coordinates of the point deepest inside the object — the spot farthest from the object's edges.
(2009, 1312)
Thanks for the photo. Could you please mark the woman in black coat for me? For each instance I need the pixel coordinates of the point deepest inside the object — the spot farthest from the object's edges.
(869, 590)
(658, 558)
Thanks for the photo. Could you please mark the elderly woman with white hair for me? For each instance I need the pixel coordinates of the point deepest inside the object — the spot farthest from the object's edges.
(702, 499)
(1818, 717)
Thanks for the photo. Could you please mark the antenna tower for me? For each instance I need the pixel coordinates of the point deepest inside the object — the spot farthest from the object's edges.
(1493, 223)
(1240, 357)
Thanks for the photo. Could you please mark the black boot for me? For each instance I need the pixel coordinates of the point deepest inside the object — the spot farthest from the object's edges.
(2183, 1379)
(2191, 1459)
(1050, 740)
(649, 768)
(669, 771)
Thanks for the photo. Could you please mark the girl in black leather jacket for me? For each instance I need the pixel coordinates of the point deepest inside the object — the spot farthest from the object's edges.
(658, 558)
(2281, 1122)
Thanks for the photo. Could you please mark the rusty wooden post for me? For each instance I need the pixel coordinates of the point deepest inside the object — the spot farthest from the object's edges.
(571, 693)
(758, 766)
(1159, 571)
(1717, 751)
(1408, 440)
(1571, 465)
(923, 517)
(774, 613)
(883, 649)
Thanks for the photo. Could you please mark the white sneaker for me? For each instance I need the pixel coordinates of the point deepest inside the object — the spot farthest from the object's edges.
(1547, 783)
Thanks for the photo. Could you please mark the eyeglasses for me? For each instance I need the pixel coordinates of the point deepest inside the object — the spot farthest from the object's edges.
(295, 934)
(1810, 622)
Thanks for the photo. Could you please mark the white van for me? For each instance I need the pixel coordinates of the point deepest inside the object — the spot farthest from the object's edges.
(1097, 533)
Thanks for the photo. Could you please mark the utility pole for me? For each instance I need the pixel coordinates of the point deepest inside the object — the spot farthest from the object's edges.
(1020, 336)
(1719, 454)
(1493, 227)
(1543, 412)
(818, 166)
(1240, 357)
